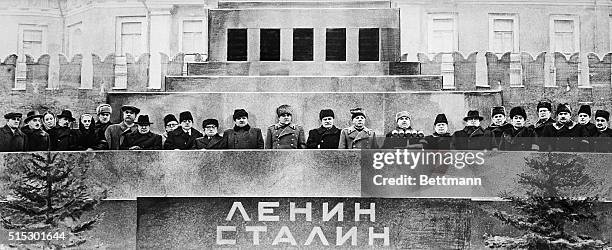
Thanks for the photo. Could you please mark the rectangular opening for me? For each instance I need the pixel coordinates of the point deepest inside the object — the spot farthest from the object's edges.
(335, 45)
(369, 44)
(269, 45)
(303, 44)
(237, 44)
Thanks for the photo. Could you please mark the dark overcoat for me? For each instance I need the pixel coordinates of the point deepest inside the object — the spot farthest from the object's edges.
(246, 137)
(470, 138)
(64, 139)
(323, 138)
(37, 140)
(179, 139)
(438, 141)
(522, 139)
(148, 141)
(214, 142)
(567, 138)
(12, 142)
(603, 142)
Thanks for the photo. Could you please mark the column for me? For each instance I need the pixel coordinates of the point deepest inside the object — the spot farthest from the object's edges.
(583, 71)
(482, 71)
(550, 76)
(516, 70)
(253, 44)
(87, 71)
(21, 70)
(53, 80)
(352, 45)
(319, 44)
(120, 72)
(447, 68)
(159, 42)
(286, 45)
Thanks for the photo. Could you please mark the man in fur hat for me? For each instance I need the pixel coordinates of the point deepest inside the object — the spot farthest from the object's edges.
(285, 134)
(472, 136)
(498, 125)
(143, 138)
(327, 136)
(518, 137)
(441, 138)
(103, 111)
(404, 136)
(211, 138)
(36, 138)
(183, 137)
(563, 135)
(584, 120)
(357, 136)
(116, 133)
(170, 124)
(544, 110)
(63, 137)
(603, 141)
(11, 138)
(242, 135)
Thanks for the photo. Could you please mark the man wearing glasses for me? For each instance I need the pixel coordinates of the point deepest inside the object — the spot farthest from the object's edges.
(11, 138)
(211, 138)
(170, 124)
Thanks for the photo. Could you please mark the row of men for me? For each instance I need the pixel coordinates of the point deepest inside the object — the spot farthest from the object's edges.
(43, 132)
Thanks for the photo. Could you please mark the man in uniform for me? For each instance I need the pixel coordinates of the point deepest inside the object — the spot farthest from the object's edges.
(115, 133)
(357, 136)
(472, 136)
(143, 138)
(285, 134)
(404, 136)
(103, 111)
(11, 138)
(242, 135)
(327, 136)
(441, 138)
(211, 138)
(37, 138)
(563, 135)
(184, 137)
(603, 141)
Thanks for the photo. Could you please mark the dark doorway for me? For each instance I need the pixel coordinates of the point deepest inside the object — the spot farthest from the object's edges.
(369, 44)
(335, 45)
(303, 44)
(236, 44)
(269, 45)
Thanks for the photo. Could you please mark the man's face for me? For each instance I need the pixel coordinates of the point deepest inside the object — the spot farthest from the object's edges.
(543, 114)
(171, 126)
(601, 123)
(359, 121)
(441, 128)
(104, 117)
(13, 122)
(186, 124)
(49, 120)
(241, 121)
(403, 122)
(128, 116)
(563, 117)
(63, 122)
(34, 123)
(498, 119)
(86, 121)
(473, 122)
(284, 119)
(327, 122)
(583, 118)
(143, 129)
(518, 121)
(210, 130)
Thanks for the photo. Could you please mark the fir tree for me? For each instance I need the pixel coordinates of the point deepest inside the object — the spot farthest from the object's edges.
(548, 208)
(49, 194)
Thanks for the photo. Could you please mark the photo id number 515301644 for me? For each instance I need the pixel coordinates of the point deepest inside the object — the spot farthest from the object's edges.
(36, 236)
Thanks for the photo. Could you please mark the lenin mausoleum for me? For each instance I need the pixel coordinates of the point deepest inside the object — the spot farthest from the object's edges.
(211, 57)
